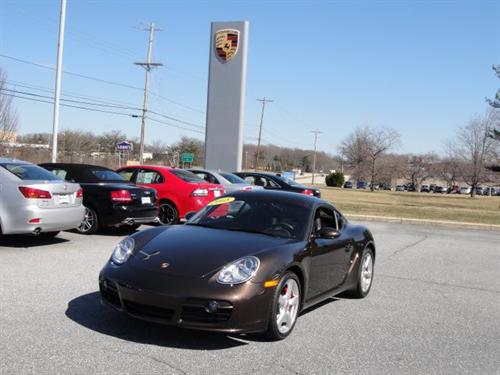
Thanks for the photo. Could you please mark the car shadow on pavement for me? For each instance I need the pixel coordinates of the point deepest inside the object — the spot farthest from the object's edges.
(88, 311)
(25, 241)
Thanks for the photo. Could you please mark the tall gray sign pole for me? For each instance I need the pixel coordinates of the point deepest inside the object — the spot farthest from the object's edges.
(57, 91)
(226, 95)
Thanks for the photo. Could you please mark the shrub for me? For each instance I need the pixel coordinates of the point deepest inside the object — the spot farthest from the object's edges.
(335, 179)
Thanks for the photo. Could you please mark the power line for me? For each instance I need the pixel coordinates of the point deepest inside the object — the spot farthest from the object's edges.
(108, 105)
(100, 80)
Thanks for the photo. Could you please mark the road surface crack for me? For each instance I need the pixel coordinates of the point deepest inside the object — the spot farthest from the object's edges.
(419, 241)
(440, 283)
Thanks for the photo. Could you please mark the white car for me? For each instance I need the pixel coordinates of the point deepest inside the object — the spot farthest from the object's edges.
(465, 190)
(33, 200)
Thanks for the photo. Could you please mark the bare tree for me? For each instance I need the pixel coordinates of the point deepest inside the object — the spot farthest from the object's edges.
(8, 116)
(366, 146)
(473, 147)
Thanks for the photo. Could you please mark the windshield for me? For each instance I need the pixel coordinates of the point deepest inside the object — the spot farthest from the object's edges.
(31, 172)
(290, 182)
(272, 218)
(232, 178)
(106, 175)
(186, 175)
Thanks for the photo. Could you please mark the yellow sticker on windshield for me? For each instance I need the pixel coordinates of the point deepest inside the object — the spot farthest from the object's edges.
(221, 201)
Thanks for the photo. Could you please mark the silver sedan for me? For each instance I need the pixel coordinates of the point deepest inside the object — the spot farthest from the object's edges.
(229, 181)
(33, 200)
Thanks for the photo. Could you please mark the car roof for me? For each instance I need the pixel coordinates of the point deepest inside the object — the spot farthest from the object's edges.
(281, 196)
(73, 165)
(13, 160)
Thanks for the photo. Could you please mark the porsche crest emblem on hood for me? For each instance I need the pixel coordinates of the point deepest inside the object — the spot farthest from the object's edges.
(226, 43)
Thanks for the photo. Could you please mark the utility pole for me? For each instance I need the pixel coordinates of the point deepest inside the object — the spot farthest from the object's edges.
(264, 100)
(148, 65)
(57, 94)
(315, 132)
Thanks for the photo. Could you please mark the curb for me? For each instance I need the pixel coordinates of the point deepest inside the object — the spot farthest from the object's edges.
(407, 220)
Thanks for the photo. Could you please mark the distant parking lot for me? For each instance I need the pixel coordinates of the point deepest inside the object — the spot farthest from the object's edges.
(433, 308)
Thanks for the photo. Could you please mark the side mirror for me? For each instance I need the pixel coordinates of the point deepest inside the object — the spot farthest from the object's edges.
(189, 215)
(328, 233)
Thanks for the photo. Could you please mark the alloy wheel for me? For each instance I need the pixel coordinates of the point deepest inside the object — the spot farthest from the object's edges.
(88, 221)
(288, 306)
(366, 272)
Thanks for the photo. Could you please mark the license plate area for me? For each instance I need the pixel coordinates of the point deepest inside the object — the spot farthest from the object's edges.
(62, 199)
(146, 200)
(217, 193)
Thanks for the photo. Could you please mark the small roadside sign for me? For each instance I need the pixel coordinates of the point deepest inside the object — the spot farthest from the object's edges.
(124, 146)
(187, 157)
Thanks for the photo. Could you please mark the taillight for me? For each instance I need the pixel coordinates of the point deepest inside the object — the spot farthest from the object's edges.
(122, 196)
(79, 193)
(307, 192)
(200, 193)
(32, 193)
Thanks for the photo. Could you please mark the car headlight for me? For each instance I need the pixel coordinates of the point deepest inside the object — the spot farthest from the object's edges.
(239, 271)
(123, 250)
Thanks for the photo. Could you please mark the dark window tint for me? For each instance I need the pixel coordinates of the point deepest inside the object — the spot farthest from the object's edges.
(186, 175)
(106, 175)
(232, 178)
(30, 172)
(278, 219)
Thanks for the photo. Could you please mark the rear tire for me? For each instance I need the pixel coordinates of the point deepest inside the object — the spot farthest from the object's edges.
(168, 214)
(90, 223)
(285, 307)
(365, 275)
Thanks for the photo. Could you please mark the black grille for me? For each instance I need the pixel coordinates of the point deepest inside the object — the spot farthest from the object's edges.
(200, 313)
(110, 293)
(148, 311)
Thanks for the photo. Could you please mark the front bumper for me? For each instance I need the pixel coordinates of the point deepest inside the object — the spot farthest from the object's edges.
(51, 219)
(186, 302)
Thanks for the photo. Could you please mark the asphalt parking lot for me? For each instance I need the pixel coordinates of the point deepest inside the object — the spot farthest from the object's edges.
(434, 308)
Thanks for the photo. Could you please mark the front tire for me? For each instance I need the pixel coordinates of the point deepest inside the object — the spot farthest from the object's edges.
(285, 307)
(90, 223)
(365, 275)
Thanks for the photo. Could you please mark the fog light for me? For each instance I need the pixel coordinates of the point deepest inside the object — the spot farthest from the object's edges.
(212, 307)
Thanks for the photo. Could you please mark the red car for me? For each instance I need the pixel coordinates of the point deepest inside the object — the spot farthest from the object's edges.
(179, 191)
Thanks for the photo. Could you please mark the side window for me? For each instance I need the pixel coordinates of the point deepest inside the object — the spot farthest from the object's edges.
(324, 217)
(127, 174)
(340, 220)
(145, 176)
(61, 173)
(270, 183)
(250, 180)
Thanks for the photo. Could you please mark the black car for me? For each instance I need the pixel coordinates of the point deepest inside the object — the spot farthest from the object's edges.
(272, 181)
(298, 251)
(348, 185)
(109, 200)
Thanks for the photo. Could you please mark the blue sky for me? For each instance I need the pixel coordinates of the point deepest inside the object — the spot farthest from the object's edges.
(421, 67)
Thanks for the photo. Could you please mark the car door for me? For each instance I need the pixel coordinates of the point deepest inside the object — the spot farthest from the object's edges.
(329, 256)
(148, 177)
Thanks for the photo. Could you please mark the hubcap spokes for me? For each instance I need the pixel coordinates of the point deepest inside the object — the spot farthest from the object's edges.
(88, 221)
(166, 214)
(288, 306)
(366, 272)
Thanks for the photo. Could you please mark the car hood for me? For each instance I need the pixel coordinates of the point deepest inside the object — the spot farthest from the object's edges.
(193, 251)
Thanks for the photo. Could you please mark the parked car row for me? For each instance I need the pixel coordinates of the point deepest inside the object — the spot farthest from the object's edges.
(53, 197)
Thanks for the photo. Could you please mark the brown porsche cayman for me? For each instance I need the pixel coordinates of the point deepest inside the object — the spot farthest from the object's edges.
(247, 262)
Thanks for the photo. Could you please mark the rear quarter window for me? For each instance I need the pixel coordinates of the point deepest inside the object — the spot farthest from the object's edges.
(30, 172)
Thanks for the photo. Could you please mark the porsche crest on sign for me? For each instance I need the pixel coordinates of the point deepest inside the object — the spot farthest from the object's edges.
(226, 44)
